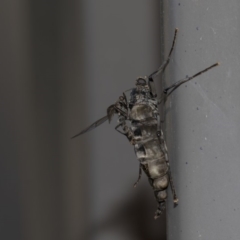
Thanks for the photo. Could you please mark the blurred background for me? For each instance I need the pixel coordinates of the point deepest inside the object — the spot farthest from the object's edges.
(62, 64)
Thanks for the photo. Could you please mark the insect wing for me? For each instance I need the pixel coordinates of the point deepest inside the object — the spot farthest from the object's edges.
(91, 127)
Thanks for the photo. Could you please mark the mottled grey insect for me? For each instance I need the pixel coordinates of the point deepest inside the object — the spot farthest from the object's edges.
(139, 121)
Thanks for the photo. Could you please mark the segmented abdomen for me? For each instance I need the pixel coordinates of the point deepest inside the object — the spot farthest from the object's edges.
(148, 151)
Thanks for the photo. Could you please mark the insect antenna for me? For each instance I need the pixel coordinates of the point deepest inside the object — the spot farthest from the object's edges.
(165, 63)
(161, 68)
(168, 91)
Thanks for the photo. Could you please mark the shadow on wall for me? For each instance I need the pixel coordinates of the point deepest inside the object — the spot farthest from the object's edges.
(134, 217)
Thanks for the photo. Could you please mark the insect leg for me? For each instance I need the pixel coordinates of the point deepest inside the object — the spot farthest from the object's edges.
(126, 102)
(116, 128)
(139, 176)
(120, 111)
(167, 91)
(175, 199)
(125, 98)
(161, 68)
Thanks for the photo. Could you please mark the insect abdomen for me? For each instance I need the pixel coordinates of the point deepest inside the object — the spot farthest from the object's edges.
(153, 162)
(152, 158)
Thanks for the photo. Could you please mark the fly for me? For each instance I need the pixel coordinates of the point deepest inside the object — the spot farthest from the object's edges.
(139, 121)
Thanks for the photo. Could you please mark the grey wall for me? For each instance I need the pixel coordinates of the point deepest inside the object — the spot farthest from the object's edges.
(62, 64)
(122, 42)
(203, 118)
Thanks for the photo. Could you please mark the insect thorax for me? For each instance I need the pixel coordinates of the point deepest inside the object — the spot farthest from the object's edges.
(142, 106)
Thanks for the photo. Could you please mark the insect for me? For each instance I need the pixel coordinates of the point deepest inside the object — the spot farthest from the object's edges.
(139, 120)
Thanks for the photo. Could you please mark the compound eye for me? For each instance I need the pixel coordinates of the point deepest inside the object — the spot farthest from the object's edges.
(141, 81)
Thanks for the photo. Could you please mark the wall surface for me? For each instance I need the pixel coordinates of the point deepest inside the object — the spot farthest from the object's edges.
(121, 43)
(62, 64)
(202, 119)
